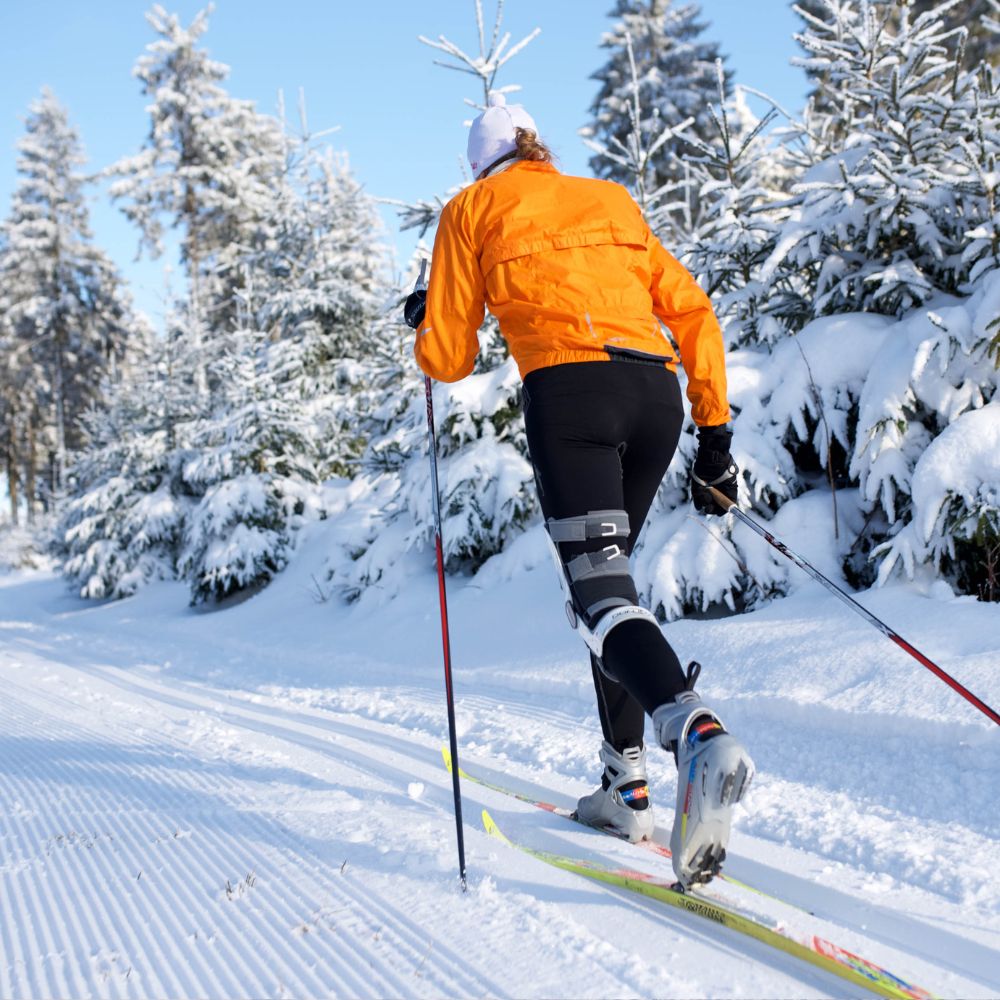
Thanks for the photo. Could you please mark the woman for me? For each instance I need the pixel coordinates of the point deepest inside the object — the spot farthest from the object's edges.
(580, 285)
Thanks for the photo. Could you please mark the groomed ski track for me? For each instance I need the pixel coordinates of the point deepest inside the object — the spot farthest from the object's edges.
(252, 801)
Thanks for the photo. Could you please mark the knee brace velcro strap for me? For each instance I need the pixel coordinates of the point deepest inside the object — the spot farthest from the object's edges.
(609, 561)
(596, 637)
(599, 607)
(593, 524)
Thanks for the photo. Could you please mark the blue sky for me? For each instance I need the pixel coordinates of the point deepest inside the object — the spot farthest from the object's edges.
(400, 117)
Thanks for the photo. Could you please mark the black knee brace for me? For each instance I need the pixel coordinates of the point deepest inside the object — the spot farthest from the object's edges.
(591, 551)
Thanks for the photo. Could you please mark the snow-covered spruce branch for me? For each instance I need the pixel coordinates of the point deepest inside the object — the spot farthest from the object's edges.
(492, 57)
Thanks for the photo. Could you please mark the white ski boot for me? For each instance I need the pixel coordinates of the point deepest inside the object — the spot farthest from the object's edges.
(622, 802)
(713, 773)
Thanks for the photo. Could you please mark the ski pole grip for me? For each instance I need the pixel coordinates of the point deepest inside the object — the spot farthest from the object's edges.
(422, 277)
(721, 499)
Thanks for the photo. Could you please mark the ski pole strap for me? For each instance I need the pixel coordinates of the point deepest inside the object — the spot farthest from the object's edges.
(730, 472)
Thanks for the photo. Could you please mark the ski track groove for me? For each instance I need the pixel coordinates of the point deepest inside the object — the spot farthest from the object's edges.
(38, 918)
(11, 946)
(164, 918)
(41, 808)
(280, 905)
(343, 727)
(184, 899)
(864, 847)
(127, 920)
(900, 928)
(247, 714)
(404, 938)
(877, 792)
(360, 901)
(85, 937)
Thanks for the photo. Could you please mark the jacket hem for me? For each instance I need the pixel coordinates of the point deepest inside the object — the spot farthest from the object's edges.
(527, 365)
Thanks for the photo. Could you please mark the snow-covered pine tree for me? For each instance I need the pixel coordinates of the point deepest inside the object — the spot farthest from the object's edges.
(975, 16)
(487, 494)
(896, 170)
(207, 169)
(253, 470)
(319, 279)
(732, 176)
(634, 159)
(123, 522)
(18, 409)
(659, 44)
(65, 315)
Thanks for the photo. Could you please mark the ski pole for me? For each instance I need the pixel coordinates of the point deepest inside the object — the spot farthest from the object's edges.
(445, 641)
(730, 506)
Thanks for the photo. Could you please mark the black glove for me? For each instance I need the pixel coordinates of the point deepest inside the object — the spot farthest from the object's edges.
(713, 466)
(414, 307)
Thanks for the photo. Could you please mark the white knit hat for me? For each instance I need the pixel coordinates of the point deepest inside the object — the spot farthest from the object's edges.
(492, 133)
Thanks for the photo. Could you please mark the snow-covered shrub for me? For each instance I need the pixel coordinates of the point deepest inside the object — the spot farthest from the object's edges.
(120, 538)
(122, 523)
(238, 535)
(797, 398)
(955, 507)
(932, 374)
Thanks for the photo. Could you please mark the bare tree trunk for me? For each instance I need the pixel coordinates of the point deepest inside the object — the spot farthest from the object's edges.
(196, 331)
(13, 482)
(29, 474)
(60, 404)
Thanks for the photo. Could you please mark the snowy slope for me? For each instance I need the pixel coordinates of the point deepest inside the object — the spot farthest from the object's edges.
(252, 801)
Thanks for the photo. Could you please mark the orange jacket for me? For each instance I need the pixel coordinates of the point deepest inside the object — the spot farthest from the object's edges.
(569, 268)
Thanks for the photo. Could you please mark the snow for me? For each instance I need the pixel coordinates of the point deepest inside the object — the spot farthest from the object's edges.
(963, 461)
(251, 801)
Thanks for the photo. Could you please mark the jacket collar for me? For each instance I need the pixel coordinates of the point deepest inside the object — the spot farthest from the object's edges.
(500, 167)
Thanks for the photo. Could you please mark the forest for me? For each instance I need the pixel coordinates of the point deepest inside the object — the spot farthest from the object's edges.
(852, 253)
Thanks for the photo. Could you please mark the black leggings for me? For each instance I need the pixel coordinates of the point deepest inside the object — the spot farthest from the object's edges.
(601, 435)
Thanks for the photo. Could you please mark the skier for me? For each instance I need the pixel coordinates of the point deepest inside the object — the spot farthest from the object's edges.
(579, 285)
